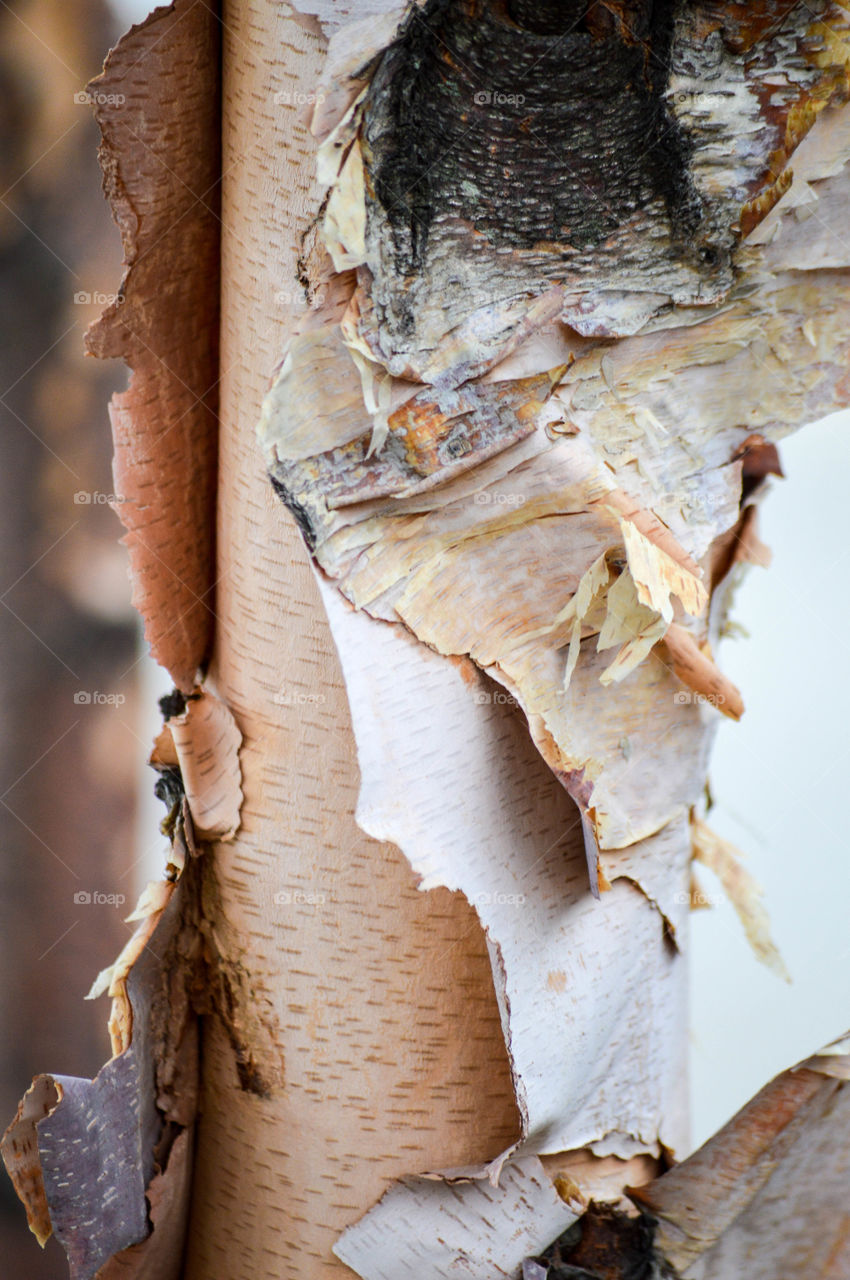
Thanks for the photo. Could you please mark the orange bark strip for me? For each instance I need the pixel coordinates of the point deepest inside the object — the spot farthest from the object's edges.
(700, 673)
(20, 1154)
(158, 110)
(767, 1195)
(647, 523)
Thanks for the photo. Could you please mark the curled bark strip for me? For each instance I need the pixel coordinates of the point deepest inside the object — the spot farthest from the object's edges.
(700, 673)
(206, 742)
(20, 1153)
(158, 110)
(92, 1147)
(767, 1195)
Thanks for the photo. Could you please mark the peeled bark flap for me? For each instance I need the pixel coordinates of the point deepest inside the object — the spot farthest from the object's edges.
(159, 113)
(769, 1195)
(207, 740)
(426, 1230)
(100, 1145)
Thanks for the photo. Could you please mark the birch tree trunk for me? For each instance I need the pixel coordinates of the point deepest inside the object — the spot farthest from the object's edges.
(536, 300)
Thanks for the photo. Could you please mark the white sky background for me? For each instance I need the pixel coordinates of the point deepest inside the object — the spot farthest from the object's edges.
(131, 11)
(780, 781)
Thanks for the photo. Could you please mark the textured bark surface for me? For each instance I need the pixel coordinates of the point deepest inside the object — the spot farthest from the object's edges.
(767, 1195)
(162, 167)
(523, 452)
(388, 1025)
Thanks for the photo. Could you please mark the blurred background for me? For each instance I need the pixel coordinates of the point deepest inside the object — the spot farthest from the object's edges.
(780, 781)
(72, 686)
(78, 823)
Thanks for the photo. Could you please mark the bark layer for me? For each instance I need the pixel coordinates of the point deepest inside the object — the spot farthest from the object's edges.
(497, 488)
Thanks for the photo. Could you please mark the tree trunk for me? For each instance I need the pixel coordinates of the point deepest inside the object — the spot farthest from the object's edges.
(535, 313)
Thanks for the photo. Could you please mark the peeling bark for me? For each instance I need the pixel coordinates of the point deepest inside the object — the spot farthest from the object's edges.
(162, 168)
(522, 422)
(767, 1195)
(86, 1151)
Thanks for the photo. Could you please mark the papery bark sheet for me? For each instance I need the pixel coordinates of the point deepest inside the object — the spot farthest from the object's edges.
(522, 416)
(524, 430)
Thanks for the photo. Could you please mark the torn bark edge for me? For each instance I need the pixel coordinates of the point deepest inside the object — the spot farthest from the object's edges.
(82, 1153)
(701, 1200)
(202, 740)
(91, 1159)
(699, 672)
(20, 1153)
(160, 91)
(715, 1194)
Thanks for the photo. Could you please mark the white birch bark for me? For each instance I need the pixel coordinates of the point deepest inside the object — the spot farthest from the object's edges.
(443, 1003)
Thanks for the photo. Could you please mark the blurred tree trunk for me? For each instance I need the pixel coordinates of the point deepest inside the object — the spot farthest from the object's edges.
(68, 776)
